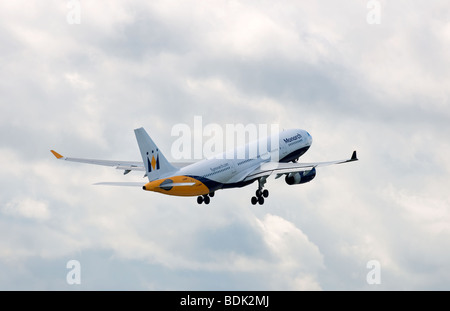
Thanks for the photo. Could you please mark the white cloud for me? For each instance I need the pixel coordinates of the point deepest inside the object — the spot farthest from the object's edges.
(297, 257)
(28, 208)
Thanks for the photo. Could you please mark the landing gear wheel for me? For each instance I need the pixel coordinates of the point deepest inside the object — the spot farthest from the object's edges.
(260, 193)
(254, 200)
(211, 194)
(261, 200)
(199, 199)
(206, 199)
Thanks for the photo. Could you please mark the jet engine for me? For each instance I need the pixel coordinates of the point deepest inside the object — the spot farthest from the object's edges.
(300, 177)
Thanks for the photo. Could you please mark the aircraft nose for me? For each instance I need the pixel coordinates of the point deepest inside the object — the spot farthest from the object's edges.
(308, 138)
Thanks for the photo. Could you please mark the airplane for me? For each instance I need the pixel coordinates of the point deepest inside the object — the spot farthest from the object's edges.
(223, 171)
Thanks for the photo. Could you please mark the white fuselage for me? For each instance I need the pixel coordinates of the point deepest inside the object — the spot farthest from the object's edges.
(230, 167)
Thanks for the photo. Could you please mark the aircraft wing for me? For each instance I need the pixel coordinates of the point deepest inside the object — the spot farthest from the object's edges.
(127, 166)
(269, 168)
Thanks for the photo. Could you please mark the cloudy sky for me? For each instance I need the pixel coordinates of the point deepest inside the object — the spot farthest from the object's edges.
(81, 88)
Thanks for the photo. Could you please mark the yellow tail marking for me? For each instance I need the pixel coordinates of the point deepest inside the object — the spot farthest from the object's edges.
(153, 162)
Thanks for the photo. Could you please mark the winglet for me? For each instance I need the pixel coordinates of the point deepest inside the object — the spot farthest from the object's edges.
(354, 158)
(56, 154)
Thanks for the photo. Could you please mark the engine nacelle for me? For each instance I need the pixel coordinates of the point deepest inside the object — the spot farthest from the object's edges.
(300, 177)
(293, 178)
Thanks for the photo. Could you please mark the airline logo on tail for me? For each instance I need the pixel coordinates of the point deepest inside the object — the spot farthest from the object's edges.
(154, 163)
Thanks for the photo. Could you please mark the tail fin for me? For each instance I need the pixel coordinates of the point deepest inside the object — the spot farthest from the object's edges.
(156, 165)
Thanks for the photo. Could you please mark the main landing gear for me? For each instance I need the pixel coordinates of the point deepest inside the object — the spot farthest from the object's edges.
(205, 198)
(260, 193)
